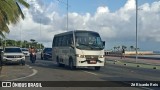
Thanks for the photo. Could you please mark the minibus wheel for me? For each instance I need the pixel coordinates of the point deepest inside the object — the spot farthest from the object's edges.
(71, 65)
(59, 65)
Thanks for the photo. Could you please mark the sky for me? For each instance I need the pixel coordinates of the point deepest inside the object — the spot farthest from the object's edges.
(114, 20)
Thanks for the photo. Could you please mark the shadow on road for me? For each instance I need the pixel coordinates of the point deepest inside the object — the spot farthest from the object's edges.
(53, 65)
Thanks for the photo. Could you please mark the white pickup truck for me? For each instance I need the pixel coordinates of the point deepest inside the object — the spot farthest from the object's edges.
(13, 55)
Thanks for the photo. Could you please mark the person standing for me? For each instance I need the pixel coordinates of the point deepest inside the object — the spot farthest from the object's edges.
(123, 53)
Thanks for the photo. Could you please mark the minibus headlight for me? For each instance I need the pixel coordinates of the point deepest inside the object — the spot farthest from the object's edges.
(101, 56)
(81, 56)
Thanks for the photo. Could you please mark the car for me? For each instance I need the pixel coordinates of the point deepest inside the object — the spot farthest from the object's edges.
(1, 50)
(13, 55)
(46, 53)
(25, 51)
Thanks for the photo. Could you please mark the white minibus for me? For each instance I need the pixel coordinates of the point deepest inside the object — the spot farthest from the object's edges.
(78, 48)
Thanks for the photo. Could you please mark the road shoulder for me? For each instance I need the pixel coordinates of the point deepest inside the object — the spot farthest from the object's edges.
(11, 72)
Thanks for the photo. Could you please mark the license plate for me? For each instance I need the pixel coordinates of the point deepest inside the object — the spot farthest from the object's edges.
(92, 62)
(14, 60)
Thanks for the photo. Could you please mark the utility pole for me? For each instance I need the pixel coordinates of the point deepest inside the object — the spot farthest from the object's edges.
(40, 32)
(67, 12)
(20, 35)
(136, 30)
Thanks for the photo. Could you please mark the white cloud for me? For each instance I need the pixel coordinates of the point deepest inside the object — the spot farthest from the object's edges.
(102, 10)
(130, 5)
(118, 25)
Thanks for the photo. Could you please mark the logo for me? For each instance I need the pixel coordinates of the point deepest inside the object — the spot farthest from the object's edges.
(92, 56)
(21, 84)
(6, 84)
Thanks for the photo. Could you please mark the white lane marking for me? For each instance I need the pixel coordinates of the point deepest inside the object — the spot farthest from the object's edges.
(34, 73)
(147, 88)
(91, 73)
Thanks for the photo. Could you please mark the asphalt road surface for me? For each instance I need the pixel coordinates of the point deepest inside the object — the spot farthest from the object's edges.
(46, 70)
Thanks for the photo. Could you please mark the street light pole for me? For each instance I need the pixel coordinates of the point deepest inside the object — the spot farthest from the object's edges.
(40, 32)
(20, 35)
(67, 12)
(67, 15)
(136, 29)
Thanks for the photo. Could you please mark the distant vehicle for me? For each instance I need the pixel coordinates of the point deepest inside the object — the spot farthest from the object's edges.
(13, 55)
(46, 53)
(25, 51)
(1, 49)
(78, 49)
(39, 50)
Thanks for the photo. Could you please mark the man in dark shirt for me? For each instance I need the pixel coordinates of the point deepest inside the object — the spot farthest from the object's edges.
(123, 53)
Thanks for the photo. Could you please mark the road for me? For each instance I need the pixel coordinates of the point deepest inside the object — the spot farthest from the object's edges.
(44, 70)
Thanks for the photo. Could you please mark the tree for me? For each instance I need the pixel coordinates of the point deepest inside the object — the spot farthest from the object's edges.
(115, 48)
(124, 47)
(1, 41)
(132, 48)
(24, 44)
(10, 13)
(32, 40)
(10, 42)
(118, 47)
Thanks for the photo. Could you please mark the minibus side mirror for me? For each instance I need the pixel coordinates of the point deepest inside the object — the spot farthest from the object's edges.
(103, 42)
(72, 46)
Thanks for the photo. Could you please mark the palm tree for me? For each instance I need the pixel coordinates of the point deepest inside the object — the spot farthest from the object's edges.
(32, 40)
(118, 47)
(24, 43)
(124, 47)
(10, 13)
(132, 48)
(114, 48)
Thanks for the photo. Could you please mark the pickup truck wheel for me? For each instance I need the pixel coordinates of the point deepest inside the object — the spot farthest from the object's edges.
(97, 68)
(23, 63)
